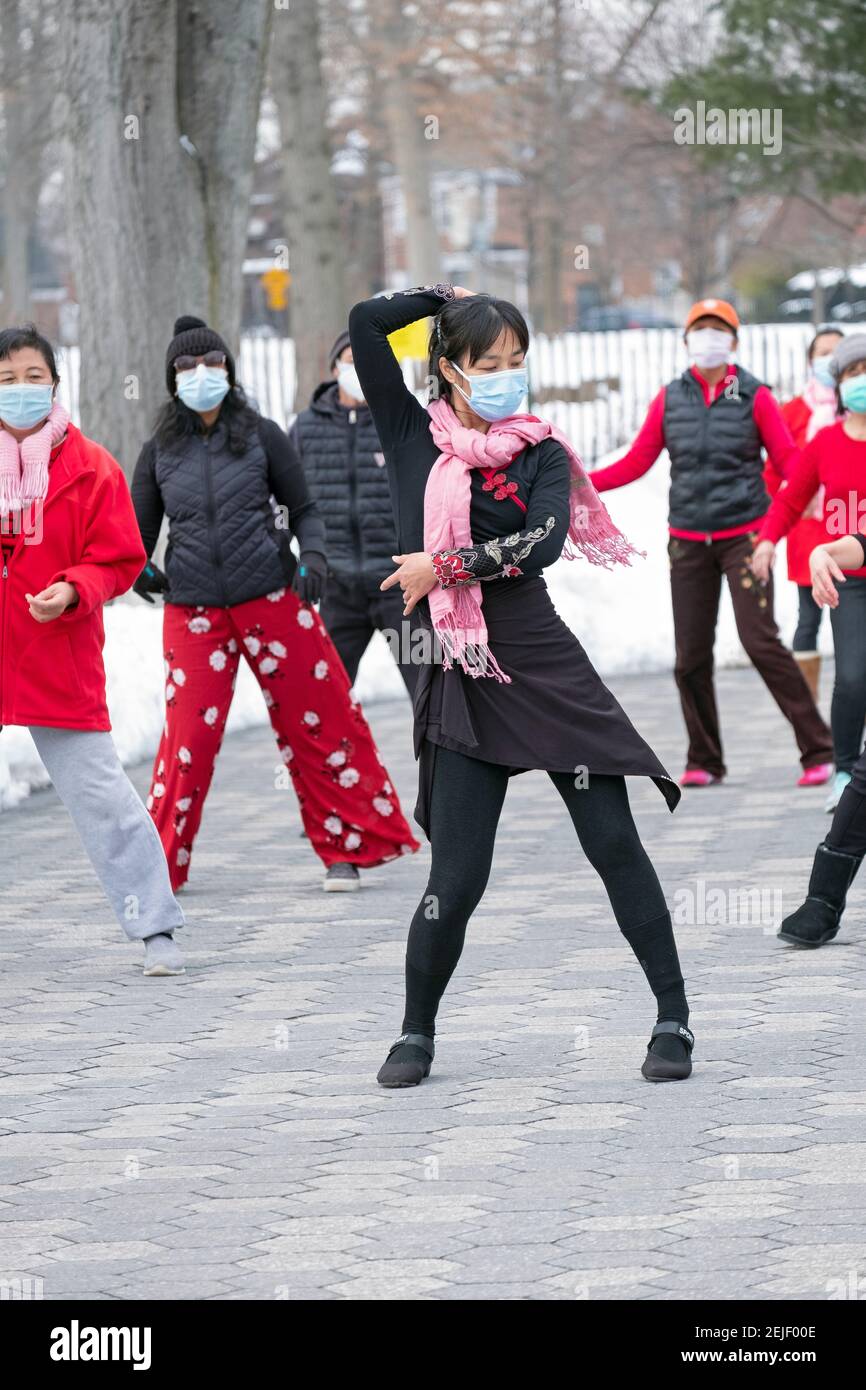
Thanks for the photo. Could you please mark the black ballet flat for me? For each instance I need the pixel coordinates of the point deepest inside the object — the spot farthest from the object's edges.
(413, 1065)
(657, 1068)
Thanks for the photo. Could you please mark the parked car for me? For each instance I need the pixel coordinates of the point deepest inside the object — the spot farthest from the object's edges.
(613, 317)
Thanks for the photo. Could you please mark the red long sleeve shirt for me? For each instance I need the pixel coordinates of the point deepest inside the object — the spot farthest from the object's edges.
(836, 464)
(650, 441)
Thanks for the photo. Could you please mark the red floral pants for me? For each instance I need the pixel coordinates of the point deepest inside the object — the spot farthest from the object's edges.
(349, 808)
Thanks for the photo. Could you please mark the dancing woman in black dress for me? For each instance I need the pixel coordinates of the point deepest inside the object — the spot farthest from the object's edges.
(515, 689)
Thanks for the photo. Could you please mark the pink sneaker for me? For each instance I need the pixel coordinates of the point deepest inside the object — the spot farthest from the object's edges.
(696, 777)
(816, 776)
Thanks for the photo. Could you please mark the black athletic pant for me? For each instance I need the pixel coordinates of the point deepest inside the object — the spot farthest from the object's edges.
(848, 831)
(352, 616)
(848, 707)
(697, 570)
(466, 802)
(809, 617)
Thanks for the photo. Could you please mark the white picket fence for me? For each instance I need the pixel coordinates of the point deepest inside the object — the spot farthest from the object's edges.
(622, 372)
(595, 386)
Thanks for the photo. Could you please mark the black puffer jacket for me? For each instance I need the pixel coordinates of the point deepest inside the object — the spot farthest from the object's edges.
(717, 472)
(226, 541)
(345, 468)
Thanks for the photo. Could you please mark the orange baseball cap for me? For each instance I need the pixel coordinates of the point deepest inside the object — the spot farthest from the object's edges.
(716, 309)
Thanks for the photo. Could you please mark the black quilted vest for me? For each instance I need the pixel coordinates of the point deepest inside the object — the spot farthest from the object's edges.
(224, 543)
(716, 465)
(346, 474)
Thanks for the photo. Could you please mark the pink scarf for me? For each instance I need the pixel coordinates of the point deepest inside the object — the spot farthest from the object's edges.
(821, 401)
(24, 466)
(456, 612)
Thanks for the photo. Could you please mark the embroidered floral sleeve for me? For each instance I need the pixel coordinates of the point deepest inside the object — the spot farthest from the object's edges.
(496, 559)
(442, 288)
(526, 552)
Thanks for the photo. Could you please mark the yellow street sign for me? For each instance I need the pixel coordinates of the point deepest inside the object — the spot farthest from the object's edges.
(411, 341)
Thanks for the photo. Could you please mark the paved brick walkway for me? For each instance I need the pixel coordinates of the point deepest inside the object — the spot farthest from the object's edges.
(221, 1135)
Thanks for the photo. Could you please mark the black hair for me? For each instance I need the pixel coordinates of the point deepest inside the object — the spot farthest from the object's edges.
(821, 331)
(465, 329)
(175, 421)
(27, 335)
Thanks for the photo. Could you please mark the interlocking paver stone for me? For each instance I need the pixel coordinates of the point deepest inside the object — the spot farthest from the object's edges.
(221, 1136)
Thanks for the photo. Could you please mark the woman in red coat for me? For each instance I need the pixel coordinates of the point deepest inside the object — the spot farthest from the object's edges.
(69, 543)
(833, 464)
(805, 415)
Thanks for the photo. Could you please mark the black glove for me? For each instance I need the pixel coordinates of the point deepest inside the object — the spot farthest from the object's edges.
(310, 576)
(150, 581)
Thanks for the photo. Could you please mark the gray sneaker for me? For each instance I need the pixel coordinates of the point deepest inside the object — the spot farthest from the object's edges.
(162, 955)
(342, 878)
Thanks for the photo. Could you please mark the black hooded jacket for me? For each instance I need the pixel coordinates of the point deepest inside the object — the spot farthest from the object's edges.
(345, 470)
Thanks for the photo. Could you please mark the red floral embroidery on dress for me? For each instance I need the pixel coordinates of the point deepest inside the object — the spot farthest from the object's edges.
(450, 569)
(495, 559)
(500, 486)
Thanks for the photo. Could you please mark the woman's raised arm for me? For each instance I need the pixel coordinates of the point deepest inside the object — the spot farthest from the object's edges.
(397, 413)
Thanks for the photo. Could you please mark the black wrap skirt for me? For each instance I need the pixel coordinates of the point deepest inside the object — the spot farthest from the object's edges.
(556, 714)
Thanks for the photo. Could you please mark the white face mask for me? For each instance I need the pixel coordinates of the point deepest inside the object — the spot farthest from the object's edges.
(709, 347)
(347, 379)
(821, 370)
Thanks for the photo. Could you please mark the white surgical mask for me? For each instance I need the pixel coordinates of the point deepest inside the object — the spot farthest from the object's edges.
(709, 347)
(202, 388)
(821, 370)
(495, 395)
(347, 379)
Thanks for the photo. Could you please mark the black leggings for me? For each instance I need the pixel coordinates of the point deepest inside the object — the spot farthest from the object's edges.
(848, 707)
(848, 831)
(809, 617)
(465, 806)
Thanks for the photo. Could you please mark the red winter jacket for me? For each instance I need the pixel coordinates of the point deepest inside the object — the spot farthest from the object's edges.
(833, 464)
(808, 532)
(51, 673)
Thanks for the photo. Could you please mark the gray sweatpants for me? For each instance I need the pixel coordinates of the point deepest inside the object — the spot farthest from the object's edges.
(115, 828)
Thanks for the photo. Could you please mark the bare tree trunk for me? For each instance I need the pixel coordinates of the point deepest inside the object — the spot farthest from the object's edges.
(17, 222)
(410, 147)
(221, 56)
(819, 298)
(26, 133)
(318, 302)
(368, 260)
(157, 224)
(555, 180)
(534, 277)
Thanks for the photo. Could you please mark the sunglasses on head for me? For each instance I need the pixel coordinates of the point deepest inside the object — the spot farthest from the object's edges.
(210, 359)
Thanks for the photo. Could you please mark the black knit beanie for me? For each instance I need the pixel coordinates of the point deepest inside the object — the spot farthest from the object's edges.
(193, 338)
(341, 342)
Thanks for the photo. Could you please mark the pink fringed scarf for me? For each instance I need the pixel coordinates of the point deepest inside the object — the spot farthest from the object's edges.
(821, 401)
(456, 612)
(24, 466)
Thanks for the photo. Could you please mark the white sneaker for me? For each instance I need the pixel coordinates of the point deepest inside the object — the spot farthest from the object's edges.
(837, 786)
(162, 956)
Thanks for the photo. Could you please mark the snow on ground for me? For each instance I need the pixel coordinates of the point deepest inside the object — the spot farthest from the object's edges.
(134, 671)
(622, 617)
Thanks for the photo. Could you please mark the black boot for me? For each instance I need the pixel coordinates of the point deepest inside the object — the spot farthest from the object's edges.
(817, 921)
